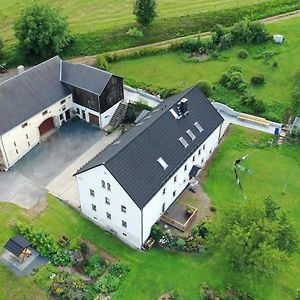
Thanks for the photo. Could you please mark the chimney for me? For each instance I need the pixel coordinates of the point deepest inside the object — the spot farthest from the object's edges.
(20, 69)
(184, 106)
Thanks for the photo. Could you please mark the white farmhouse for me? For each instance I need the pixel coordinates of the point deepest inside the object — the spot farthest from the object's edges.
(41, 99)
(127, 187)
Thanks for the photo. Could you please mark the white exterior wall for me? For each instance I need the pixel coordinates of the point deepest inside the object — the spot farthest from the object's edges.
(87, 112)
(153, 210)
(107, 115)
(92, 180)
(16, 140)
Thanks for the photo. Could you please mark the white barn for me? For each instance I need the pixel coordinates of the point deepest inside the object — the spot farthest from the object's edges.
(127, 187)
(41, 99)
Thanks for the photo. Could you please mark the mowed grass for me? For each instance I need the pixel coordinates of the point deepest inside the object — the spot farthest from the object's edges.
(173, 70)
(87, 16)
(156, 272)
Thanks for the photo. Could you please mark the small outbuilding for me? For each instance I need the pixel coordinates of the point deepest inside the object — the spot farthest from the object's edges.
(19, 247)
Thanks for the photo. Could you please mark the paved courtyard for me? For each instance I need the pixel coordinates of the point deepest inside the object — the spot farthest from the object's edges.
(50, 166)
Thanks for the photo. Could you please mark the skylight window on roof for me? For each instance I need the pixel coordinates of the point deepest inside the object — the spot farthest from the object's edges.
(198, 126)
(172, 111)
(191, 134)
(183, 142)
(162, 163)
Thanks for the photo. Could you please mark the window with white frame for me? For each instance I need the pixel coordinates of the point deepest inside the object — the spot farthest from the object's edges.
(103, 183)
(107, 200)
(174, 193)
(108, 215)
(164, 190)
(199, 151)
(124, 223)
(123, 208)
(175, 178)
(92, 193)
(94, 207)
(108, 186)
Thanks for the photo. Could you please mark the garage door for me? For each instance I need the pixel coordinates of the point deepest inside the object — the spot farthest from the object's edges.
(46, 126)
(94, 119)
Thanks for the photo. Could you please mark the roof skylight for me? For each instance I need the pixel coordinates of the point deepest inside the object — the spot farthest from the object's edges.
(162, 163)
(175, 115)
(198, 126)
(191, 134)
(183, 142)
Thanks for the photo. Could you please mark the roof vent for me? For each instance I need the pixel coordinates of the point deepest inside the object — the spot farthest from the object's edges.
(191, 134)
(162, 163)
(198, 126)
(183, 142)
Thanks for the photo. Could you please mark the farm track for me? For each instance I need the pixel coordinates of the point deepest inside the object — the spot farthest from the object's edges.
(91, 60)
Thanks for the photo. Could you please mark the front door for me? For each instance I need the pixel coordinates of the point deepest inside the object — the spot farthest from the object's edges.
(94, 119)
(46, 126)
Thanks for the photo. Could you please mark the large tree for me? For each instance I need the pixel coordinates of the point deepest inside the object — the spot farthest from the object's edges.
(145, 11)
(42, 30)
(253, 238)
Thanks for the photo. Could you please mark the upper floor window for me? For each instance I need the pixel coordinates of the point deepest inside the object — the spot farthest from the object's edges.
(199, 151)
(175, 178)
(63, 101)
(92, 193)
(164, 191)
(123, 208)
(193, 158)
(174, 193)
(24, 125)
(108, 186)
(45, 112)
(124, 223)
(108, 215)
(185, 167)
(103, 183)
(107, 200)
(204, 147)
(94, 207)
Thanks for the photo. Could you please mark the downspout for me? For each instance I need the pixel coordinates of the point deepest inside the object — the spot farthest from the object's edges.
(100, 118)
(142, 227)
(8, 166)
(220, 133)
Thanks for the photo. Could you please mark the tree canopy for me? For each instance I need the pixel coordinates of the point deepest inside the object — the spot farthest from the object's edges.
(145, 11)
(42, 30)
(254, 238)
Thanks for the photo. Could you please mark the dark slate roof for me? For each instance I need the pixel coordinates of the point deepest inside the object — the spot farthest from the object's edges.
(17, 244)
(85, 77)
(133, 159)
(194, 171)
(29, 93)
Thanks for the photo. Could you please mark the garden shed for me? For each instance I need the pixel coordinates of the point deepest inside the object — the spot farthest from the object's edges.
(19, 247)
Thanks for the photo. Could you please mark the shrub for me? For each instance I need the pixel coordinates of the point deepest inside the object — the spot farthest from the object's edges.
(212, 208)
(61, 258)
(206, 87)
(42, 277)
(258, 79)
(217, 32)
(101, 62)
(235, 80)
(135, 32)
(107, 284)
(257, 105)
(95, 266)
(119, 270)
(267, 55)
(226, 41)
(243, 53)
(1, 46)
(156, 232)
(175, 295)
(275, 64)
(242, 88)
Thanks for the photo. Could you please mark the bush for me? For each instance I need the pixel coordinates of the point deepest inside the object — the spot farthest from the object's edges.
(1, 46)
(175, 295)
(61, 258)
(107, 284)
(226, 41)
(243, 53)
(206, 87)
(257, 105)
(258, 79)
(157, 232)
(95, 266)
(101, 62)
(42, 30)
(135, 32)
(42, 277)
(242, 88)
(119, 270)
(275, 64)
(235, 80)
(267, 55)
(217, 32)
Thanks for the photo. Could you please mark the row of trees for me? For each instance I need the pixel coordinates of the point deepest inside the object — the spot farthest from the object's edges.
(43, 31)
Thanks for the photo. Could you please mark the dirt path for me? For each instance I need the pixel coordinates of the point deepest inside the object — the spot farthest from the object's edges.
(91, 60)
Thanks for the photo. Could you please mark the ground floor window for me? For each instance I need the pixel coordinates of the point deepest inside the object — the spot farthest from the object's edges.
(108, 215)
(94, 207)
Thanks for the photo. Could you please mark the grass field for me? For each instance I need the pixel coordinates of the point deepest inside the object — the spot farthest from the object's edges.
(92, 15)
(157, 271)
(172, 70)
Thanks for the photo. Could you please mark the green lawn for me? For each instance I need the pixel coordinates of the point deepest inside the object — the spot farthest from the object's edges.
(92, 15)
(157, 271)
(172, 70)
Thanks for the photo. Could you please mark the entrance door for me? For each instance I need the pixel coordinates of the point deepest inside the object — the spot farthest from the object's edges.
(94, 119)
(46, 126)
(68, 116)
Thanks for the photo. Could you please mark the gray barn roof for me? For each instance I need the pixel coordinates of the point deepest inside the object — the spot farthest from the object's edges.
(29, 93)
(86, 77)
(132, 160)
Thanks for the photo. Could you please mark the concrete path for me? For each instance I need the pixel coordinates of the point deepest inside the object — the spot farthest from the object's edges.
(64, 186)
